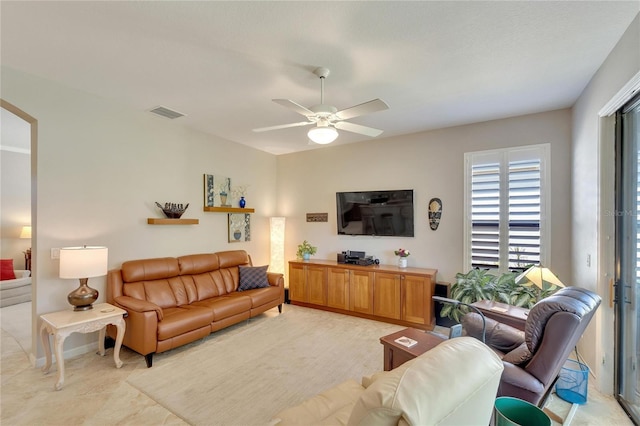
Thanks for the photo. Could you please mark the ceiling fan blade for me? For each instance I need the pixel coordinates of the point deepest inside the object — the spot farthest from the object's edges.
(362, 109)
(357, 128)
(294, 106)
(282, 126)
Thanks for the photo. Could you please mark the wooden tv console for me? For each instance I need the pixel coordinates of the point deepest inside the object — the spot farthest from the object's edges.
(380, 292)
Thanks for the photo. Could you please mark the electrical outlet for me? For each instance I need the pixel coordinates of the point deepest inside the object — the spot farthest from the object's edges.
(589, 260)
(55, 253)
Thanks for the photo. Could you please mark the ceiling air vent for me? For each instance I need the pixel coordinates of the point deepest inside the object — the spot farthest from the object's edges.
(166, 112)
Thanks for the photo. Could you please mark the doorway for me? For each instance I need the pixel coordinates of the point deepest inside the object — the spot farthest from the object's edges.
(26, 146)
(627, 257)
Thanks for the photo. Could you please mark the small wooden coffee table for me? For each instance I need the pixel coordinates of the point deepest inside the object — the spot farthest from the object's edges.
(396, 354)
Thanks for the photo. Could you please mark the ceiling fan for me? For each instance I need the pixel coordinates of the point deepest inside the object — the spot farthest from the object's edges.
(327, 118)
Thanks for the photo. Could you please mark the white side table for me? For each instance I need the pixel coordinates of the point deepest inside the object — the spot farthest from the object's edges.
(61, 324)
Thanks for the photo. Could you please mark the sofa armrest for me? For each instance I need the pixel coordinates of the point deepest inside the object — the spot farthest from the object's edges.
(137, 305)
(520, 378)
(22, 273)
(275, 279)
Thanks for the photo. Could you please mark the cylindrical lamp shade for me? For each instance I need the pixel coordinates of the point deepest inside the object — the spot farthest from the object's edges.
(83, 262)
(277, 245)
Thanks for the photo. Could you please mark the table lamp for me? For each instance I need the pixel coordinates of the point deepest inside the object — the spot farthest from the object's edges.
(25, 232)
(541, 277)
(83, 263)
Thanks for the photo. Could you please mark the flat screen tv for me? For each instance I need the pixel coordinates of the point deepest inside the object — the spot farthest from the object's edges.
(383, 213)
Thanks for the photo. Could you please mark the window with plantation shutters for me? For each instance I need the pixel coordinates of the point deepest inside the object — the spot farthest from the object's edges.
(505, 208)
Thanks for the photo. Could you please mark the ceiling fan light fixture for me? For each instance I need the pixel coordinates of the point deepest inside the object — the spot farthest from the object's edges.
(323, 135)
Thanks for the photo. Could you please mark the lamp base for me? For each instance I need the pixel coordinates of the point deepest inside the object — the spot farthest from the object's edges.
(83, 297)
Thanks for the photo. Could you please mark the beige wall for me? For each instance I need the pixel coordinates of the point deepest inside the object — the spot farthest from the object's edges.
(100, 168)
(430, 163)
(592, 195)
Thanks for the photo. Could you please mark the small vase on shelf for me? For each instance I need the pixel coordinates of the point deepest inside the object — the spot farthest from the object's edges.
(402, 262)
(242, 202)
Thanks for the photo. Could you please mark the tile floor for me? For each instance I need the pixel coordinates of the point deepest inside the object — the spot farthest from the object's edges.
(96, 393)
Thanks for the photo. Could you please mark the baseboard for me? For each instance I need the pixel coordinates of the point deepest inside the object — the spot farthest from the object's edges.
(71, 353)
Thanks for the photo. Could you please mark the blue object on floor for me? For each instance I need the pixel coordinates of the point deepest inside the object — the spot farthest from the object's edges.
(573, 382)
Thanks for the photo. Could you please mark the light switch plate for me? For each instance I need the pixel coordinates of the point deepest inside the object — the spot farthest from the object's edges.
(55, 253)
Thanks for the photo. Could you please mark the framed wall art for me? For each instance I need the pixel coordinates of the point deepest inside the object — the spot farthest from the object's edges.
(216, 191)
(239, 227)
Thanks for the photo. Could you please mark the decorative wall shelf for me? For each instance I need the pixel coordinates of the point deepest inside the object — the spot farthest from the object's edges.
(228, 210)
(164, 221)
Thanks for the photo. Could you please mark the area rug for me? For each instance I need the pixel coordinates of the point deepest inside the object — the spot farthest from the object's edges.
(246, 375)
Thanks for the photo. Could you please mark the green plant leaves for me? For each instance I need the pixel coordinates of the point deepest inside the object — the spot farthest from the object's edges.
(306, 247)
(480, 284)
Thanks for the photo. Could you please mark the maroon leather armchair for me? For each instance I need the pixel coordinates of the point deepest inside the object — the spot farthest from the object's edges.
(533, 359)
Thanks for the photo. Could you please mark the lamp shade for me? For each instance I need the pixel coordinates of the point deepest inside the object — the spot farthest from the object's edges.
(323, 135)
(277, 244)
(540, 276)
(83, 262)
(26, 232)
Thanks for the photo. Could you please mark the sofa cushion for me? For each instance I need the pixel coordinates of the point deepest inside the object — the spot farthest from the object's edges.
(228, 259)
(6, 269)
(253, 277)
(178, 321)
(519, 355)
(194, 264)
(262, 296)
(224, 307)
(150, 269)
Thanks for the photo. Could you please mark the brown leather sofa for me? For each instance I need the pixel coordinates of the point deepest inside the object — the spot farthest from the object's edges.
(174, 301)
(533, 359)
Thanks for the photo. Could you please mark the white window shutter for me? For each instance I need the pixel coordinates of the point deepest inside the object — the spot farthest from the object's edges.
(506, 204)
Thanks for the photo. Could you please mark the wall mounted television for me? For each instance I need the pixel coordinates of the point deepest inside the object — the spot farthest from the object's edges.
(381, 213)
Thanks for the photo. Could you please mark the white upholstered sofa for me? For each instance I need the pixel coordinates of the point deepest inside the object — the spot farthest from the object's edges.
(17, 290)
(453, 384)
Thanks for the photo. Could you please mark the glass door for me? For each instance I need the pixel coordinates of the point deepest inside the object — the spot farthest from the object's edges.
(628, 257)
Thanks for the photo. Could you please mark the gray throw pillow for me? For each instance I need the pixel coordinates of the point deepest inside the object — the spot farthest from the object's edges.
(253, 277)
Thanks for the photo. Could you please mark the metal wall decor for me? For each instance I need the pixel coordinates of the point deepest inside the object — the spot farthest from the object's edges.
(317, 217)
(435, 213)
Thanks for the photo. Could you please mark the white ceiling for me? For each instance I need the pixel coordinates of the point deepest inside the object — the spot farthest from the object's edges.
(436, 64)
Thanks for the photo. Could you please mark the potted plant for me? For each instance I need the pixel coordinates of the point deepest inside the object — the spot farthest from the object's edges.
(402, 257)
(479, 284)
(306, 250)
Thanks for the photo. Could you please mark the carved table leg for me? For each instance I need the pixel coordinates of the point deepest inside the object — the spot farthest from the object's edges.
(103, 332)
(46, 345)
(59, 346)
(120, 325)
